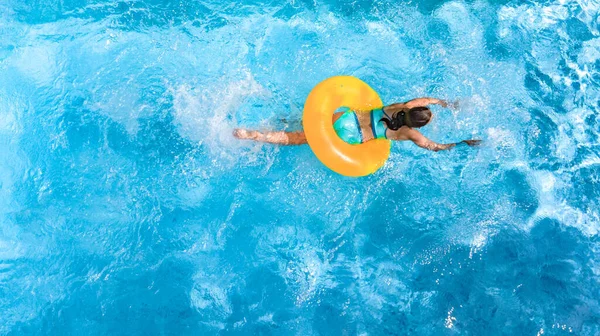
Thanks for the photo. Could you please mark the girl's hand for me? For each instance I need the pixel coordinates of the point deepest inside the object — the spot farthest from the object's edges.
(448, 104)
(472, 143)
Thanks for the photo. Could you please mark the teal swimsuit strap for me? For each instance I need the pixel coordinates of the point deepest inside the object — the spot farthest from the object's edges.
(375, 123)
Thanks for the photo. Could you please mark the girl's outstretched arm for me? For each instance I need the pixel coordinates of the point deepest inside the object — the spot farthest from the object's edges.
(428, 101)
(422, 141)
(278, 138)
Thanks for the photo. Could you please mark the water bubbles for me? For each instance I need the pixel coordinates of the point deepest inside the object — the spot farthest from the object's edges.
(449, 322)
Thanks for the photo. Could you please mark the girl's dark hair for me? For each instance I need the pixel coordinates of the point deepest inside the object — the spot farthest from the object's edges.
(414, 117)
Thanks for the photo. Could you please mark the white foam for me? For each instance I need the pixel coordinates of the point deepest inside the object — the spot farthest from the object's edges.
(306, 269)
(566, 146)
(552, 205)
(208, 115)
(10, 115)
(533, 16)
(502, 138)
(209, 295)
(38, 62)
(576, 117)
(379, 285)
(466, 30)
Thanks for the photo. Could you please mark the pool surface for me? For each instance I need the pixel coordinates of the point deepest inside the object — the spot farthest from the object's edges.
(127, 208)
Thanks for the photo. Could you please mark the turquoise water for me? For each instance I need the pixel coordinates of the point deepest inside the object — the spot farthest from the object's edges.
(127, 208)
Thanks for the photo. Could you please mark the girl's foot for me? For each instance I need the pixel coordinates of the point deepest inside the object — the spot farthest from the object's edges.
(241, 133)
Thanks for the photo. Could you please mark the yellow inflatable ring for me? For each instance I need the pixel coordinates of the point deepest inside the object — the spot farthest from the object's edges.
(341, 157)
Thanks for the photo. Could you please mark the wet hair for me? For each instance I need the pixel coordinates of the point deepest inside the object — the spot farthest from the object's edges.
(415, 117)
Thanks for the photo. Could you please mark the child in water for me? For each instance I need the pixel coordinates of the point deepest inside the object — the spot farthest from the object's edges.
(397, 121)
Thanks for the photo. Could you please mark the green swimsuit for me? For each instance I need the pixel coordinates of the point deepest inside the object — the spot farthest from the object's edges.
(348, 128)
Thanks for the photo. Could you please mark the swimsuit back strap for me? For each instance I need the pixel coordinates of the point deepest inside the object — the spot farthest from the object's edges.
(379, 130)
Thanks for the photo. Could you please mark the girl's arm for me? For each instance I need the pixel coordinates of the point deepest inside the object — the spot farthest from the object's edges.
(426, 101)
(421, 141)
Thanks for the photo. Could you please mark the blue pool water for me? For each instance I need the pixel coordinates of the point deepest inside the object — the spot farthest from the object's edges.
(127, 208)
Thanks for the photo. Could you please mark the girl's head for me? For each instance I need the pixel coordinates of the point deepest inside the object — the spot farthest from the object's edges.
(415, 117)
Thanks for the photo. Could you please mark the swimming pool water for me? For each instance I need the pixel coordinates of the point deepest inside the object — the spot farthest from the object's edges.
(127, 208)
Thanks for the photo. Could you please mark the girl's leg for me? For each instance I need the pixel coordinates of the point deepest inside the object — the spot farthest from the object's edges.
(279, 138)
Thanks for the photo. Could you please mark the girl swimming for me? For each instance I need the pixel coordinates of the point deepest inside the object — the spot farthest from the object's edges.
(394, 122)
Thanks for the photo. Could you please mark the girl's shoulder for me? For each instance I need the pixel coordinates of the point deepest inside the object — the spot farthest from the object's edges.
(403, 133)
(395, 107)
